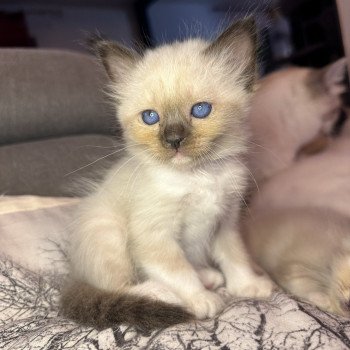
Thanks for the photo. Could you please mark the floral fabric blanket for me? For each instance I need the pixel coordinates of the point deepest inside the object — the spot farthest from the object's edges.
(33, 263)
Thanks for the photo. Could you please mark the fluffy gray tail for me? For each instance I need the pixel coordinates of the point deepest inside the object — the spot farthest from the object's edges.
(90, 306)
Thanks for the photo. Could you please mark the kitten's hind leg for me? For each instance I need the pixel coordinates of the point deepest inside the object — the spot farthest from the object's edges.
(162, 260)
(99, 252)
(101, 293)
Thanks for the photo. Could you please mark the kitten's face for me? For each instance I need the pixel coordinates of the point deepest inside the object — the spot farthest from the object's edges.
(186, 102)
(197, 105)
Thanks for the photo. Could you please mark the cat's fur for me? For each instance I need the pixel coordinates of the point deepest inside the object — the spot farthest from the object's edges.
(299, 224)
(291, 108)
(164, 215)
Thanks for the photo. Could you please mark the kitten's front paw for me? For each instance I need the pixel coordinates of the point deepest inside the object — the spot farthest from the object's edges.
(252, 287)
(211, 278)
(205, 304)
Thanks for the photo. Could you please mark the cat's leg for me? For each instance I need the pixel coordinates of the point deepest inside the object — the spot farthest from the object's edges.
(210, 277)
(162, 260)
(99, 253)
(305, 282)
(230, 253)
(102, 292)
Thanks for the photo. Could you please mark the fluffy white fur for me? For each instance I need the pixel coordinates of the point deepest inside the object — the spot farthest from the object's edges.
(165, 216)
(291, 108)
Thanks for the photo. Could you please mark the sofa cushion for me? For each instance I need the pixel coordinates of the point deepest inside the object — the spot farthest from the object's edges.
(51, 167)
(45, 93)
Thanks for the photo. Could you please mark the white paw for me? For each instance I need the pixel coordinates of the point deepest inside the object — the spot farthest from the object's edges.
(205, 304)
(320, 299)
(252, 287)
(211, 278)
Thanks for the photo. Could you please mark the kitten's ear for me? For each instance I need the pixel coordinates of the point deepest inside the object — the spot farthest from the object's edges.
(117, 59)
(238, 46)
(334, 76)
(328, 80)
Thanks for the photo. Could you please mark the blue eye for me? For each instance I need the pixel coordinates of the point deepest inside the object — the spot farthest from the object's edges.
(150, 117)
(201, 109)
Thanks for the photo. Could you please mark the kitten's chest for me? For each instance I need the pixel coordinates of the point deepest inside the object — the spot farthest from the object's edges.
(207, 197)
(198, 200)
(203, 207)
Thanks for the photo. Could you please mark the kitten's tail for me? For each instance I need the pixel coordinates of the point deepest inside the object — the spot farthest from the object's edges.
(90, 306)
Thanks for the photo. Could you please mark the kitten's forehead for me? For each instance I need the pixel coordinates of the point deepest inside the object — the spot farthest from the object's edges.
(175, 77)
(177, 54)
(177, 69)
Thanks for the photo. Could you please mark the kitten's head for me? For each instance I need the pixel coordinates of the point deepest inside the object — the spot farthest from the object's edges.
(297, 104)
(184, 102)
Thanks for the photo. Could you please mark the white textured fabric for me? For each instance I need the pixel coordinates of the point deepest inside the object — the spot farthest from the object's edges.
(29, 291)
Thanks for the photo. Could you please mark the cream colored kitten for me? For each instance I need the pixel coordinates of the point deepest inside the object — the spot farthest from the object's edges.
(167, 212)
(291, 108)
(299, 224)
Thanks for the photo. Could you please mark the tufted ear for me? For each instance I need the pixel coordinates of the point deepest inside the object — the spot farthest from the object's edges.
(117, 59)
(328, 80)
(237, 45)
(334, 76)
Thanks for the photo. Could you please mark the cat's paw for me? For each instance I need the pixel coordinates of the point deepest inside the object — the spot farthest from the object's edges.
(321, 300)
(205, 304)
(338, 301)
(340, 286)
(253, 287)
(211, 278)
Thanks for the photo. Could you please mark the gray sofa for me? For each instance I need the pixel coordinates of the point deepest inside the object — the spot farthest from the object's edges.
(54, 119)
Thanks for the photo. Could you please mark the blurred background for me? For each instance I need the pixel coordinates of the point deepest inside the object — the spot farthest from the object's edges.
(56, 122)
(303, 32)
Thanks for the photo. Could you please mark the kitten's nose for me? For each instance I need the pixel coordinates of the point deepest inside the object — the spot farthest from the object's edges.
(174, 142)
(174, 134)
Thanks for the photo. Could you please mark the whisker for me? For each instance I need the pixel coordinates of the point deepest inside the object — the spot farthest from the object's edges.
(232, 178)
(269, 151)
(245, 166)
(97, 160)
(110, 179)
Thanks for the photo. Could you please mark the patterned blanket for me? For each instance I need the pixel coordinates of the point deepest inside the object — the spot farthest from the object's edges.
(29, 291)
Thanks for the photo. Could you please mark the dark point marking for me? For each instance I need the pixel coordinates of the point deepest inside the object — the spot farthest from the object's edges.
(114, 56)
(315, 82)
(239, 43)
(100, 309)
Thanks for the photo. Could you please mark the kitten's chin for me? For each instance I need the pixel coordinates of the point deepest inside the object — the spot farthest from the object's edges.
(180, 159)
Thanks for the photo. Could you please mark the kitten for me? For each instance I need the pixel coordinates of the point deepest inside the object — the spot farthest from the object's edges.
(291, 108)
(167, 212)
(299, 228)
